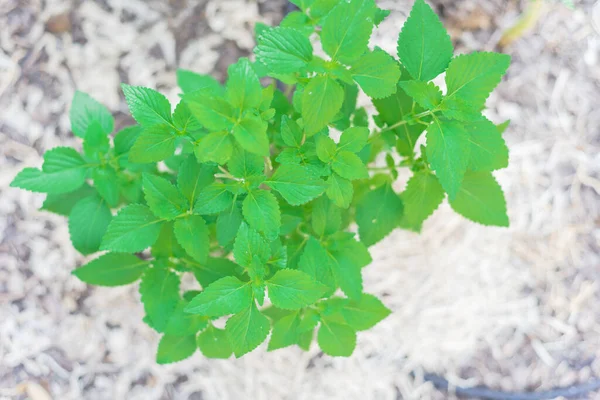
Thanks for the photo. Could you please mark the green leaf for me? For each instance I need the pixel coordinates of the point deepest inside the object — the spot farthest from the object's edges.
(326, 217)
(125, 138)
(164, 199)
(285, 332)
(422, 197)
(213, 199)
(378, 213)
(190, 81)
(107, 184)
(448, 152)
(427, 95)
(340, 190)
(133, 229)
(148, 107)
(85, 111)
(226, 296)
(192, 234)
(160, 295)
(213, 343)
(247, 329)
(212, 112)
(488, 149)
(175, 348)
(184, 324)
(154, 144)
(63, 171)
(62, 204)
(184, 120)
(347, 258)
(243, 87)
(347, 29)
(292, 290)
(228, 224)
(214, 269)
(457, 108)
(284, 50)
(481, 200)
(349, 165)
(354, 139)
(326, 149)
(96, 142)
(377, 74)
(472, 77)
(216, 147)
(316, 263)
(321, 100)
(87, 224)
(336, 339)
(251, 134)
(249, 243)
(365, 313)
(166, 246)
(296, 184)
(261, 211)
(112, 269)
(193, 177)
(290, 132)
(244, 164)
(424, 46)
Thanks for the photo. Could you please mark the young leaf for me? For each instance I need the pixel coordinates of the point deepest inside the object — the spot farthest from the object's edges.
(296, 184)
(261, 211)
(378, 213)
(349, 165)
(422, 197)
(243, 87)
(175, 348)
(472, 77)
(340, 190)
(488, 149)
(213, 343)
(283, 50)
(336, 339)
(193, 177)
(245, 165)
(85, 111)
(424, 46)
(133, 229)
(246, 330)
(354, 139)
(377, 74)
(112, 269)
(160, 295)
(147, 106)
(251, 134)
(226, 296)
(481, 200)
(448, 152)
(292, 290)
(213, 199)
(213, 270)
(249, 243)
(154, 144)
(427, 95)
(190, 81)
(192, 234)
(212, 112)
(216, 147)
(321, 100)
(365, 313)
(326, 149)
(164, 199)
(87, 224)
(347, 29)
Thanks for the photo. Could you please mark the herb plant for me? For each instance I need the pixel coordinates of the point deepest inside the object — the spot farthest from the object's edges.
(244, 187)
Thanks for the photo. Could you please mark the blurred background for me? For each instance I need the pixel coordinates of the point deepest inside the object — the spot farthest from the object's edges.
(514, 309)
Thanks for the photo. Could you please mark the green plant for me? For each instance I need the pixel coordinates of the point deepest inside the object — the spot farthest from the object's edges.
(252, 195)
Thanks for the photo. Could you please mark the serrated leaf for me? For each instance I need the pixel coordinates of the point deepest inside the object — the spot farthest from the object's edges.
(292, 290)
(354, 139)
(193, 177)
(426, 94)
(251, 134)
(182, 323)
(347, 29)
(377, 74)
(226, 296)
(249, 243)
(285, 332)
(365, 313)
(183, 119)
(340, 190)
(148, 107)
(228, 224)
(212, 112)
(173, 348)
(481, 200)
(213, 199)
(261, 211)
(424, 46)
(160, 295)
(112, 269)
(322, 98)
(125, 138)
(316, 263)
(246, 330)
(214, 269)
(326, 148)
(244, 164)
(133, 229)
(336, 339)
(87, 224)
(378, 213)
(192, 234)
(283, 50)
(190, 81)
(163, 198)
(448, 149)
(243, 90)
(456, 108)
(488, 149)
(348, 165)
(153, 144)
(63, 203)
(472, 77)
(296, 184)
(290, 132)
(85, 111)
(422, 197)
(213, 343)
(216, 147)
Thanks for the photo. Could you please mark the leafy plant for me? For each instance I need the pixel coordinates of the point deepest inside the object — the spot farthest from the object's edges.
(242, 185)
